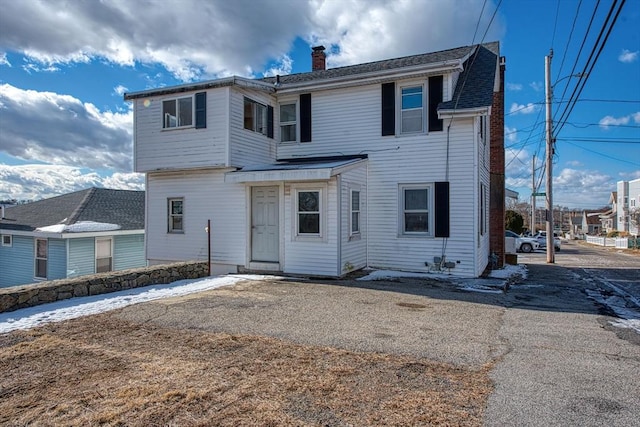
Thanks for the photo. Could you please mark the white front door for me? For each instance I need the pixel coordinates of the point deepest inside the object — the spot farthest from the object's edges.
(264, 224)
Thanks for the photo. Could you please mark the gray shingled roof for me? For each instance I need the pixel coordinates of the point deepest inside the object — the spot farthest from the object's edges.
(475, 84)
(122, 207)
(371, 67)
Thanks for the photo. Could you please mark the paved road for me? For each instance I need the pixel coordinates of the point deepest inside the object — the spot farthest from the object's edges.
(567, 366)
(557, 360)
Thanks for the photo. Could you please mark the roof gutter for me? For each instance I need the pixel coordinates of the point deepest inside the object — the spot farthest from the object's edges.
(210, 84)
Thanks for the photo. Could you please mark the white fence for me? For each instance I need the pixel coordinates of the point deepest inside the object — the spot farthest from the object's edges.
(617, 242)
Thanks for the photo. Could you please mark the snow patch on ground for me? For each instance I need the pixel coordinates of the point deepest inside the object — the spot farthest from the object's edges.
(629, 318)
(510, 271)
(83, 306)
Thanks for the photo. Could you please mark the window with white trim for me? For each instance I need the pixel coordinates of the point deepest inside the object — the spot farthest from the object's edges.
(176, 215)
(7, 240)
(177, 112)
(104, 255)
(288, 122)
(41, 258)
(255, 116)
(411, 109)
(308, 212)
(416, 216)
(355, 212)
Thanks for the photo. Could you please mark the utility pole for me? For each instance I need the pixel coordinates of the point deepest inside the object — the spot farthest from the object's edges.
(533, 196)
(549, 176)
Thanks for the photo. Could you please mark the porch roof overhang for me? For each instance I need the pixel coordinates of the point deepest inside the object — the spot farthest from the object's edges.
(295, 170)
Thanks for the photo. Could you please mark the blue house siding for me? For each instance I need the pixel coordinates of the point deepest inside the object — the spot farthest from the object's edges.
(82, 260)
(16, 262)
(128, 252)
(57, 262)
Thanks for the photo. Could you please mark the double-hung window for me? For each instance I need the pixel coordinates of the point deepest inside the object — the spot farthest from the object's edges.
(412, 111)
(308, 209)
(177, 112)
(7, 240)
(41, 258)
(176, 223)
(415, 209)
(355, 212)
(288, 122)
(255, 116)
(104, 255)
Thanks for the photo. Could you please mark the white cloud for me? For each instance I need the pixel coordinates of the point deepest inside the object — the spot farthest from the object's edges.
(4, 60)
(120, 90)
(514, 86)
(34, 182)
(607, 121)
(627, 56)
(537, 86)
(194, 40)
(581, 187)
(574, 163)
(522, 109)
(59, 129)
(283, 66)
(511, 134)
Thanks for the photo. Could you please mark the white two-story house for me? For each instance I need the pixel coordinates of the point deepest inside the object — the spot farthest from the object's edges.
(384, 164)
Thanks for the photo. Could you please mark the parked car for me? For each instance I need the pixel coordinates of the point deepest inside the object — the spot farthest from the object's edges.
(522, 244)
(541, 237)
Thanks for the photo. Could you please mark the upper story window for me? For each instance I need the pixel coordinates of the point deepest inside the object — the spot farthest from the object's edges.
(288, 122)
(7, 240)
(176, 223)
(412, 111)
(255, 116)
(177, 112)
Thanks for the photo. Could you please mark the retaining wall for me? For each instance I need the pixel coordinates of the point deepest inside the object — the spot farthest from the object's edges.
(16, 297)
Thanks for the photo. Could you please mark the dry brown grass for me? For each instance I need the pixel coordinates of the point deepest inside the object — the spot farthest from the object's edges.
(99, 371)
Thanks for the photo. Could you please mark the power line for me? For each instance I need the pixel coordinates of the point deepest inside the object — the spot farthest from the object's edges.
(586, 73)
(603, 155)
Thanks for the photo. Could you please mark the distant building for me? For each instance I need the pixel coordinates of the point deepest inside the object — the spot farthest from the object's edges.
(628, 204)
(90, 231)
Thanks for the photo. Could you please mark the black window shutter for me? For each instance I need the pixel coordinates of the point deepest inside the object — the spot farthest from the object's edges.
(388, 109)
(305, 117)
(270, 121)
(435, 98)
(442, 209)
(201, 110)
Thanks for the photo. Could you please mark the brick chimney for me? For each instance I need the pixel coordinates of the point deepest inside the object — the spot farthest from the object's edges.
(496, 171)
(318, 59)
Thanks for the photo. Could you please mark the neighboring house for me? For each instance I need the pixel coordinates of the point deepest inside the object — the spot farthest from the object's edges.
(609, 219)
(575, 229)
(391, 164)
(85, 232)
(629, 206)
(591, 222)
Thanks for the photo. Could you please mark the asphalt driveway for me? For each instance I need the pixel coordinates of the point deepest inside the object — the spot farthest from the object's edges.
(556, 358)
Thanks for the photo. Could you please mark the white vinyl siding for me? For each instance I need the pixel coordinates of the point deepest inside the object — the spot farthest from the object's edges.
(354, 246)
(248, 148)
(312, 255)
(182, 148)
(206, 197)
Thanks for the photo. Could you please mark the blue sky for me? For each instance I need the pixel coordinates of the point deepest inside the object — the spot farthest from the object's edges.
(64, 66)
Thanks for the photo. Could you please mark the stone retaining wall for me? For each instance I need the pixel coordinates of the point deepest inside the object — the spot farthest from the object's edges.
(16, 297)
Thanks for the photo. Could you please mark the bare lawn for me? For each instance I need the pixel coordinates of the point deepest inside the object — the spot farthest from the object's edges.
(100, 370)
